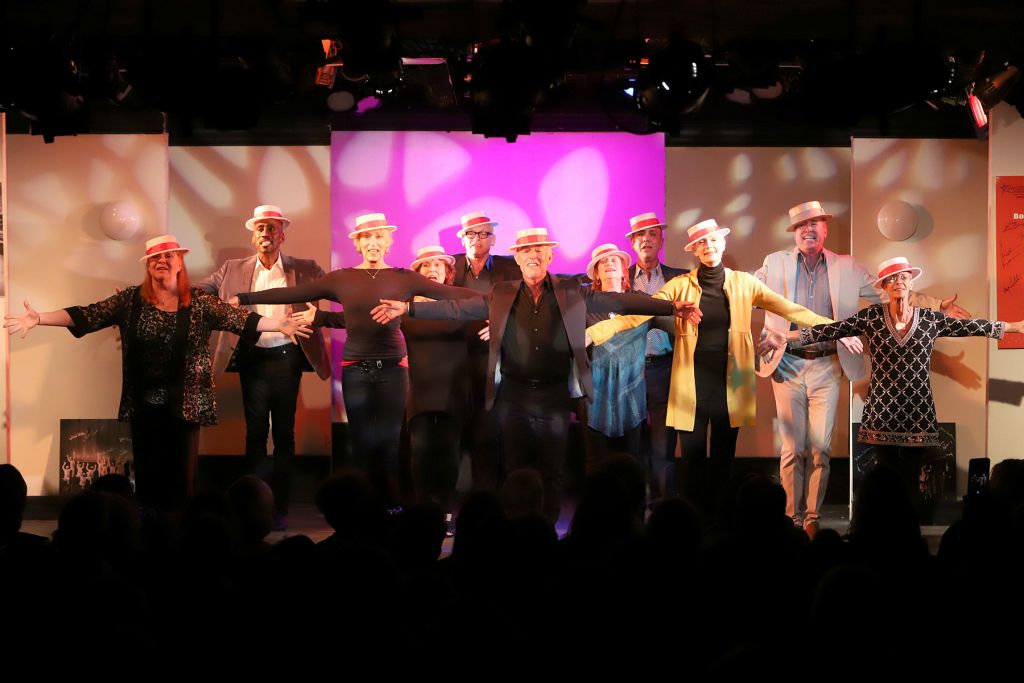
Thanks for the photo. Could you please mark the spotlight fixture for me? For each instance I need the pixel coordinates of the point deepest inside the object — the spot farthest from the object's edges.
(506, 87)
(674, 84)
(983, 96)
(994, 89)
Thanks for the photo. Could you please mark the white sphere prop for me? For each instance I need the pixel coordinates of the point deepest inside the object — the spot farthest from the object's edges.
(120, 220)
(897, 220)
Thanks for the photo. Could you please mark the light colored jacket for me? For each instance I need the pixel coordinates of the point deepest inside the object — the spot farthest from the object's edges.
(848, 283)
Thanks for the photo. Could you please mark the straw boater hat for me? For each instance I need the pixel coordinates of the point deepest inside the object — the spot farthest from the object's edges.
(474, 221)
(805, 212)
(532, 237)
(702, 230)
(161, 245)
(607, 250)
(371, 221)
(896, 265)
(266, 212)
(643, 222)
(427, 253)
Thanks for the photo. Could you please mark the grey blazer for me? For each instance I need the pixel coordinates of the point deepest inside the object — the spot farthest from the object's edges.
(235, 276)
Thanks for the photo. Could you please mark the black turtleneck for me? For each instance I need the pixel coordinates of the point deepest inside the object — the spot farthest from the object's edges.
(713, 330)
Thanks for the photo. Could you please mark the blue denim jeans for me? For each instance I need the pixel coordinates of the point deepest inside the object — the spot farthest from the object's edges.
(375, 402)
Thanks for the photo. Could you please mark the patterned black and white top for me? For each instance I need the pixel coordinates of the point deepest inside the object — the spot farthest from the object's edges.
(900, 408)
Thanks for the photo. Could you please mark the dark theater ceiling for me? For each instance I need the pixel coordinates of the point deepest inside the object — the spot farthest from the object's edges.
(711, 72)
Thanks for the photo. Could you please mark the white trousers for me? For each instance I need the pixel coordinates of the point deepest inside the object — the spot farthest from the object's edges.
(806, 398)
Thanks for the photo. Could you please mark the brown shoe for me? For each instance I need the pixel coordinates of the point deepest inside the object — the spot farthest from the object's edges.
(811, 528)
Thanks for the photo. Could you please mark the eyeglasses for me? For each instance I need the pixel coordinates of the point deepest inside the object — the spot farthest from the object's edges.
(473, 234)
(898, 277)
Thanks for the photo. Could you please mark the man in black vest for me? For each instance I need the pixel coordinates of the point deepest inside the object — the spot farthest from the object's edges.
(478, 269)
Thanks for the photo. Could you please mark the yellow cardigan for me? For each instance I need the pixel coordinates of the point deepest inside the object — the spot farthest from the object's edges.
(744, 292)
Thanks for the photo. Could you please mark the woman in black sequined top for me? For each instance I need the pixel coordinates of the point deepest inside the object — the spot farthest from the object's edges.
(167, 388)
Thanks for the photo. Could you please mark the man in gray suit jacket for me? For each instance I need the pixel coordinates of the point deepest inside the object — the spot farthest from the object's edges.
(806, 379)
(271, 369)
(646, 235)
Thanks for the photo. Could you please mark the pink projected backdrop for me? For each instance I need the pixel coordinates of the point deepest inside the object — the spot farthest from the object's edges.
(582, 187)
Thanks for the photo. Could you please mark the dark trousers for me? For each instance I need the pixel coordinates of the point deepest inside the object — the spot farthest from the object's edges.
(598, 447)
(375, 394)
(535, 431)
(270, 390)
(905, 461)
(660, 455)
(434, 444)
(480, 429)
(165, 449)
(707, 462)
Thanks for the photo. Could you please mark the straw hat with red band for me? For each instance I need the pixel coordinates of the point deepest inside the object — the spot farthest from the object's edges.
(532, 237)
(805, 212)
(702, 230)
(267, 212)
(427, 253)
(474, 221)
(603, 251)
(896, 265)
(162, 245)
(643, 222)
(371, 221)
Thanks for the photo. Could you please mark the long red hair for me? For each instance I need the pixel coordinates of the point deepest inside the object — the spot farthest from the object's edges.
(184, 285)
(625, 277)
(449, 272)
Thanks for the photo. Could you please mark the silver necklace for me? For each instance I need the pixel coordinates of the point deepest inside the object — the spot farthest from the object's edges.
(374, 274)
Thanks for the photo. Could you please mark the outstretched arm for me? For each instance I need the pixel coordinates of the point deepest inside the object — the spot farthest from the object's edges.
(285, 326)
(314, 317)
(950, 308)
(324, 288)
(31, 318)
(854, 326)
(471, 308)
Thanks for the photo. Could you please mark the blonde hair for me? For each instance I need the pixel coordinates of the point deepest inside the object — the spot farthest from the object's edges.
(390, 239)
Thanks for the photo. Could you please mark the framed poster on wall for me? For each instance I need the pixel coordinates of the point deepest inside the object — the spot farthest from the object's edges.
(1010, 254)
(90, 449)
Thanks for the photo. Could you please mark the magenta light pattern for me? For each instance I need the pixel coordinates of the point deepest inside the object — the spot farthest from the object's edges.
(582, 187)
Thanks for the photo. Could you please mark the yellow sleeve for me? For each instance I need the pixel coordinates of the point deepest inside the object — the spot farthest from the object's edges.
(766, 298)
(606, 329)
